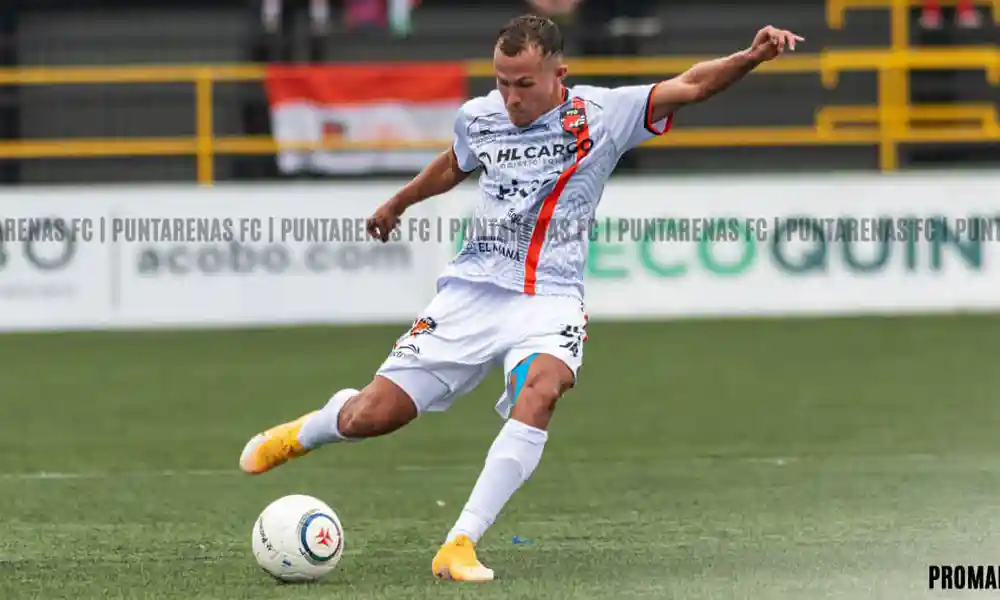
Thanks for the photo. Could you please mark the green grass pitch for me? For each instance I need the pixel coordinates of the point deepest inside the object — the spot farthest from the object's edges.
(792, 459)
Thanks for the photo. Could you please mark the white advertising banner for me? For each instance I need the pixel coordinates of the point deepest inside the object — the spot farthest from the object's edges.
(248, 255)
(813, 245)
(209, 257)
(49, 278)
(839, 244)
(297, 255)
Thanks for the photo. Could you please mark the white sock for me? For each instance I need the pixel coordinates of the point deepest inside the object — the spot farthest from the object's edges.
(511, 460)
(321, 428)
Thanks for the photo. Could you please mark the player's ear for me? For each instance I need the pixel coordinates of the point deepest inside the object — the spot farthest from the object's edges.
(561, 70)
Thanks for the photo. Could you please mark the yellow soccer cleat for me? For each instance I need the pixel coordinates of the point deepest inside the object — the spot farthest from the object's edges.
(274, 447)
(457, 561)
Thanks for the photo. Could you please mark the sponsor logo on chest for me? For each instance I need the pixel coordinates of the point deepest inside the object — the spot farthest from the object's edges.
(555, 143)
(524, 155)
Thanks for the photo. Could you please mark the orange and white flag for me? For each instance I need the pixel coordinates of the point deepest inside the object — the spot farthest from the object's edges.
(389, 105)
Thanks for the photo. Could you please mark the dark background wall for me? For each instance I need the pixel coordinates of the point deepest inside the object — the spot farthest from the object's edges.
(78, 32)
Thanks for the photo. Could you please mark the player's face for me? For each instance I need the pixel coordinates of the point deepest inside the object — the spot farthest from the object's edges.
(529, 83)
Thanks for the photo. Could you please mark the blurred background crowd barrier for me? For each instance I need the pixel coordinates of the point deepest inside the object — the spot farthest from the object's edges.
(269, 112)
(229, 90)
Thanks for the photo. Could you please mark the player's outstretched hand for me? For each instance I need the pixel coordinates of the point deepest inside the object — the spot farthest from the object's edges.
(385, 219)
(770, 42)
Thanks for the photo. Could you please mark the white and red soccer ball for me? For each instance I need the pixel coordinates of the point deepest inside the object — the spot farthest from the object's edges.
(298, 539)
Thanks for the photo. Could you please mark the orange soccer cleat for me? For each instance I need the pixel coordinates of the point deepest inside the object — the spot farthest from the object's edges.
(274, 447)
(456, 561)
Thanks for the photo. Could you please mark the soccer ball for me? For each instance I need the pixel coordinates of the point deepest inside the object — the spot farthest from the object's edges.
(298, 539)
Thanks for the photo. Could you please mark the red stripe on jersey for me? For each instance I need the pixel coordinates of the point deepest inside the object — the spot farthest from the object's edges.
(549, 204)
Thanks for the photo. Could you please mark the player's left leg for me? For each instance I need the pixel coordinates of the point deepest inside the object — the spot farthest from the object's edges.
(540, 380)
(540, 371)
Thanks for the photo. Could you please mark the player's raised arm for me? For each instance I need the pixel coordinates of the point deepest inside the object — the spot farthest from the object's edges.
(706, 79)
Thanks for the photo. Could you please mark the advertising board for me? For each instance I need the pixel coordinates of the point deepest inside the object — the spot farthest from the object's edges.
(281, 255)
(811, 245)
(844, 244)
(659, 248)
(183, 256)
(56, 281)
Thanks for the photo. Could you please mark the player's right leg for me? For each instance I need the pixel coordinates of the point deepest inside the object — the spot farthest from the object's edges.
(444, 354)
(378, 409)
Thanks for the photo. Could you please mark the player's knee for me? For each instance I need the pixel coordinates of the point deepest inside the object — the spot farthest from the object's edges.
(538, 398)
(544, 391)
(376, 410)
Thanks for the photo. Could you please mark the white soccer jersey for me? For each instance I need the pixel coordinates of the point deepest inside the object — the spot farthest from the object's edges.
(541, 184)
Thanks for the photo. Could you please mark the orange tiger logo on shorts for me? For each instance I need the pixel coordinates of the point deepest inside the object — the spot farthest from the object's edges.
(422, 325)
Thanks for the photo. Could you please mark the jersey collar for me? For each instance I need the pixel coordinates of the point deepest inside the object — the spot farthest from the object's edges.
(565, 97)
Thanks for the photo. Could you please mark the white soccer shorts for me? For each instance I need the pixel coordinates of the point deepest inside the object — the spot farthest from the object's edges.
(469, 328)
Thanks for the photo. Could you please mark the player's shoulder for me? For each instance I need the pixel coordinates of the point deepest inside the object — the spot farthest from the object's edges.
(606, 97)
(481, 106)
(481, 114)
(590, 93)
(600, 100)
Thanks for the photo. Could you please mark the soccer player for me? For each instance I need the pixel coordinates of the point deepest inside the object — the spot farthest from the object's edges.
(516, 299)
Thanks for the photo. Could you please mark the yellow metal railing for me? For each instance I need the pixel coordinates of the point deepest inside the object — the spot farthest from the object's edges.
(893, 121)
(836, 11)
(895, 114)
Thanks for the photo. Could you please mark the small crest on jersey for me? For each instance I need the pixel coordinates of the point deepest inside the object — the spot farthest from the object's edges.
(574, 120)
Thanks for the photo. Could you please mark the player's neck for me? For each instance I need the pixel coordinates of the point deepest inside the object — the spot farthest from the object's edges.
(561, 95)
